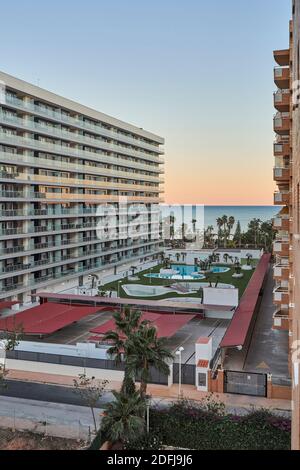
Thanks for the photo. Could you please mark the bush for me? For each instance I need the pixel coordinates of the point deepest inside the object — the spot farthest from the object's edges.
(205, 426)
(149, 441)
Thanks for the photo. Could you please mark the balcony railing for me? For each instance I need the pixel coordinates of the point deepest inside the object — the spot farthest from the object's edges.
(98, 129)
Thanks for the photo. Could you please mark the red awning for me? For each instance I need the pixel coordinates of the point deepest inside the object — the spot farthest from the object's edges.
(45, 319)
(167, 325)
(237, 331)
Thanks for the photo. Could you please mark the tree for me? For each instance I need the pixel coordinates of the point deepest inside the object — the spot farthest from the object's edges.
(230, 224)
(124, 418)
(237, 238)
(8, 342)
(133, 269)
(177, 257)
(127, 323)
(147, 350)
(249, 258)
(225, 257)
(220, 233)
(90, 390)
(225, 232)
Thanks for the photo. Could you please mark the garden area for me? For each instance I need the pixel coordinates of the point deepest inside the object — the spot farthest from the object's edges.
(131, 422)
(206, 426)
(213, 279)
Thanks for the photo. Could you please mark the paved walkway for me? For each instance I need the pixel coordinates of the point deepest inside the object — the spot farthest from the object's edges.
(268, 350)
(232, 402)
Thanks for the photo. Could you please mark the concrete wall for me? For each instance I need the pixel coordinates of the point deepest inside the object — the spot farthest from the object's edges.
(219, 296)
(59, 369)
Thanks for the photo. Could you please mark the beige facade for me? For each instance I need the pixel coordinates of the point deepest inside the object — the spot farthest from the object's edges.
(287, 223)
(59, 163)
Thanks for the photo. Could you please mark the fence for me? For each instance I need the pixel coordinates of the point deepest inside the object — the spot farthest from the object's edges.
(85, 362)
(188, 374)
(245, 383)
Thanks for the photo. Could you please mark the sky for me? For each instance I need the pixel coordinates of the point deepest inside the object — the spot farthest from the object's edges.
(197, 72)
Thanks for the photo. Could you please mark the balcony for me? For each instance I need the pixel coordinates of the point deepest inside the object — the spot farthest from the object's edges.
(281, 296)
(282, 57)
(282, 198)
(281, 247)
(281, 319)
(282, 123)
(282, 149)
(282, 174)
(282, 222)
(281, 272)
(282, 77)
(282, 100)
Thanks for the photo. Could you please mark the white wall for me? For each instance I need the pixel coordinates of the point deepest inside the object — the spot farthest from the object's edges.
(79, 350)
(58, 369)
(219, 296)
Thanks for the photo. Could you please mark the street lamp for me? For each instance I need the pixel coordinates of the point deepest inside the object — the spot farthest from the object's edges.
(150, 274)
(119, 282)
(178, 353)
(148, 403)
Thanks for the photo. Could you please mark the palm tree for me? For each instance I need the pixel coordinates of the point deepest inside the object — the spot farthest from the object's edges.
(225, 257)
(220, 225)
(225, 222)
(177, 257)
(230, 224)
(127, 322)
(124, 417)
(147, 350)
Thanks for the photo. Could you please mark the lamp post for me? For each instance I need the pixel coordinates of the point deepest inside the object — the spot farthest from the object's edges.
(148, 402)
(119, 282)
(150, 275)
(178, 353)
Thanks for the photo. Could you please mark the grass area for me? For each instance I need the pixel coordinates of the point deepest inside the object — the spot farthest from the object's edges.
(225, 278)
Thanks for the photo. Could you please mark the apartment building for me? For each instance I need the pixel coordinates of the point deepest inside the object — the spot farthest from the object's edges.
(287, 177)
(60, 162)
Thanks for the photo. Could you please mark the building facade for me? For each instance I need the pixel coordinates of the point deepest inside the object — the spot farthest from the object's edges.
(67, 175)
(287, 223)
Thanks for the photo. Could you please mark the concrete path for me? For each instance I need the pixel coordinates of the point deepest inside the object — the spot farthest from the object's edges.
(268, 350)
(55, 419)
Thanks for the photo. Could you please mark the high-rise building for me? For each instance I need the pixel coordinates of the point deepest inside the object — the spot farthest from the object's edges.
(60, 162)
(287, 223)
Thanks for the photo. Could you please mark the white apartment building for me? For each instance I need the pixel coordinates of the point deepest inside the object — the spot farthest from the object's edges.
(60, 162)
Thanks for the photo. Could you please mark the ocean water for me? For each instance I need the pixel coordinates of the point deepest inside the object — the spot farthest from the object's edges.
(242, 213)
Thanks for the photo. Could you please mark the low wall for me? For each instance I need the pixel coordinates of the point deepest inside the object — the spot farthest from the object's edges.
(60, 369)
(281, 392)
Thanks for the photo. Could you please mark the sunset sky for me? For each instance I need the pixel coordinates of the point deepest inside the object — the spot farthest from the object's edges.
(198, 73)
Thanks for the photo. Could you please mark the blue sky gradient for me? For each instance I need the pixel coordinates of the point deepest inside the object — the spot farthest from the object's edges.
(197, 72)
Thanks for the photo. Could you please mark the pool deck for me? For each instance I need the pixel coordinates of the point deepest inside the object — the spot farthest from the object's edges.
(160, 305)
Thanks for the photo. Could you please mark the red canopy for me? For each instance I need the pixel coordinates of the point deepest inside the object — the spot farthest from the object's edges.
(46, 318)
(167, 325)
(237, 331)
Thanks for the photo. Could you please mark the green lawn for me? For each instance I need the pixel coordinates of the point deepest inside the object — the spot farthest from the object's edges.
(226, 278)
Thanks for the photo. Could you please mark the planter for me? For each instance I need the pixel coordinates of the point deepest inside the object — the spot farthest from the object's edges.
(247, 267)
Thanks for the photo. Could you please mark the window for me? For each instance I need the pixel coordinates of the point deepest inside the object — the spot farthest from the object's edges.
(201, 379)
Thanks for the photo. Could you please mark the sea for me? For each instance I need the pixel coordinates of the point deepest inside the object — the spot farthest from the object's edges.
(240, 213)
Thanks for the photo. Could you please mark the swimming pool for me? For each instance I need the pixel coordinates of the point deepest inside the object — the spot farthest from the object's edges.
(219, 269)
(189, 270)
(140, 290)
(176, 277)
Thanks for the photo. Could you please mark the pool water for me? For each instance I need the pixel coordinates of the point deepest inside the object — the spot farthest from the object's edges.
(219, 270)
(188, 270)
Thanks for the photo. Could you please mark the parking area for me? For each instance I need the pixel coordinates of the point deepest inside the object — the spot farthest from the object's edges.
(186, 336)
